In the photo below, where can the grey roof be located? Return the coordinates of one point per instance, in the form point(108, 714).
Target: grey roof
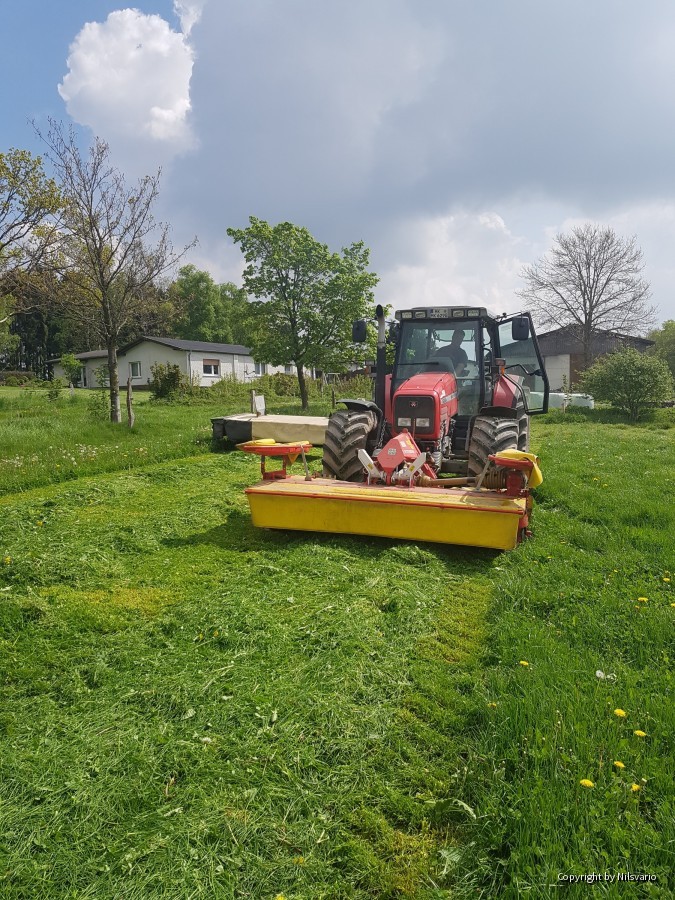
point(176, 344)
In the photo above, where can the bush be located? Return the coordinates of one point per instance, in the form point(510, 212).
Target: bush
point(12, 381)
point(630, 381)
point(55, 388)
point(168, 381)
point(15, 377)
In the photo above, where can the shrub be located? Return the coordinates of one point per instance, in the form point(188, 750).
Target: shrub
point(630, 381)
point(98, 405)
point(72, 367)
point(12, 381)
point(167, 381)
point(55, 388)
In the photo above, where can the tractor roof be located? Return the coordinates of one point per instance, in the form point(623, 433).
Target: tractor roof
point(450, 313)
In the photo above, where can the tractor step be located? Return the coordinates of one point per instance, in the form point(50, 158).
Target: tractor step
point(448, 516)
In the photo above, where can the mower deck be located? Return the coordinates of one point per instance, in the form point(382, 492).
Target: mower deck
point(449, 516)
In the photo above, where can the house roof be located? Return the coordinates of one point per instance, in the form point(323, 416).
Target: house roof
point(572, 331)
point(88, 354)
point(176, 344)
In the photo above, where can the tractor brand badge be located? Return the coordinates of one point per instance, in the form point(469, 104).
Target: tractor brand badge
point(391, 451)
point(413, 404)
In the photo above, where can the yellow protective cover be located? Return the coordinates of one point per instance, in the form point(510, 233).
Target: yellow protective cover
point(536, 477)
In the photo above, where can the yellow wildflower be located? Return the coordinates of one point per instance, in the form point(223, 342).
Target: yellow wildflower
point(40, 522)
point(618, 764)
point(492, 705)
point(621, 713)
point(639, 733)
point(523, 662)
point(666, 579)
point(643, 599)
point(280, 897)
point(586, 782)
point(635, 788)
point(7, 560)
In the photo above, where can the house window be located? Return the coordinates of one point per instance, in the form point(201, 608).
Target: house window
point(288, 370)
point(260, 368)
point(211, 366)
point(135, 369)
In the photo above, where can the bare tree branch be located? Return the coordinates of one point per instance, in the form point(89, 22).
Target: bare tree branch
point(111, 248)
point(591, 279)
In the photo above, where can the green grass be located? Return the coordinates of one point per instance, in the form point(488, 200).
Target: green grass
point(193, 707)
point(45, 442)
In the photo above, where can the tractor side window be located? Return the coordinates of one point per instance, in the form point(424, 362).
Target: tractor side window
point(521, 359)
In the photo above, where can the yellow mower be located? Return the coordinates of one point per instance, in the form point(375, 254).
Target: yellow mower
point(441, 454)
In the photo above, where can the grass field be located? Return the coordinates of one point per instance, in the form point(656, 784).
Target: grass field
point(194, 708)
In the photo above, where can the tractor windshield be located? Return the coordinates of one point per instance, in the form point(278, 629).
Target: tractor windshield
point(437, 347)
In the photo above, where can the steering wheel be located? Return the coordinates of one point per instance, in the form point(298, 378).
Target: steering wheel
point(437, 364)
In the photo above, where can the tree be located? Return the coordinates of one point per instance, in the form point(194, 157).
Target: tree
point(591, 280)
point(664, 343)
point(306, 296)
point(27, 200)
point(207, 311)
point(629, 380)
point(110, 244)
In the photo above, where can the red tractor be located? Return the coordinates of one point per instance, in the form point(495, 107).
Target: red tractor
point(463, 385)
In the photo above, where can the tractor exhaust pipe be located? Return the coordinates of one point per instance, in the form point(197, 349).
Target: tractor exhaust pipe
point(381, 359)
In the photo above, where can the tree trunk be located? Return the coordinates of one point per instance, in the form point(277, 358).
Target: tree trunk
point(114, 379)
point(303, 386)
point(130, 403)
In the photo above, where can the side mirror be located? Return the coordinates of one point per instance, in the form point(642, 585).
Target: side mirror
point(520, 328)
point(394, 331)
point(359, 331)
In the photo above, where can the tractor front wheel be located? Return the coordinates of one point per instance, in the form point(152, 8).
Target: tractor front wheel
point(491, 435)
point(347, 432)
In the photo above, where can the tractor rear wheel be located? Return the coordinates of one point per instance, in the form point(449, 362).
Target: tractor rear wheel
point(523, 429)
point(491, 435)
point(347, 432)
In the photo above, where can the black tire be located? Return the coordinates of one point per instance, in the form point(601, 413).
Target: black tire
point(523, 429)
point(490, 435)
point(347, 432)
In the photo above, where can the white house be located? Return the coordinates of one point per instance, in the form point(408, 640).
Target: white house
point(202, 361)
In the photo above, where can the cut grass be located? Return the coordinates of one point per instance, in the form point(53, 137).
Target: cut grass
point(197, 708)
point(192, 707)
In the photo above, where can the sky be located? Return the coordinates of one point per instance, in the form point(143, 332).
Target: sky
point(456, 138)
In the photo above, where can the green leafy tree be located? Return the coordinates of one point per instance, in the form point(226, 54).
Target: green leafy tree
point(28, 200)
point(629, 380)
point(72, 367)
point(664, 343)
point(306, 296)
point(206, 311)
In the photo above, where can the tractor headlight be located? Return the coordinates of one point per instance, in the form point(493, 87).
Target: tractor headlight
point(404, 423)
point(422, 423)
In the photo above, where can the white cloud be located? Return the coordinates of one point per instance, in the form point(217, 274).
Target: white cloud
point(459, 259)
point(129, 81)
point(189, 12)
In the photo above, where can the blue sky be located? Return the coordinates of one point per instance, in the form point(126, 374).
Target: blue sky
point(456, 139)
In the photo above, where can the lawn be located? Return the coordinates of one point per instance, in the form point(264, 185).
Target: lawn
point(191, 707)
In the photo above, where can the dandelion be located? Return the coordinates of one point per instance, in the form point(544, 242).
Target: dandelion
point(586, 782)
point(618, 764)
point(492, 705)
point(667, 580)
point(280, 897)
point(639, 733)
point(621, 713)
point(523, 662)
point(40, 523)
point(299, 860)
point(643, 599)
point(635, 788)
point(7, 560)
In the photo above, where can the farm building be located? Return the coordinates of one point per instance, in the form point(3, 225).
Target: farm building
point(563, 351)
point(203, 362)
